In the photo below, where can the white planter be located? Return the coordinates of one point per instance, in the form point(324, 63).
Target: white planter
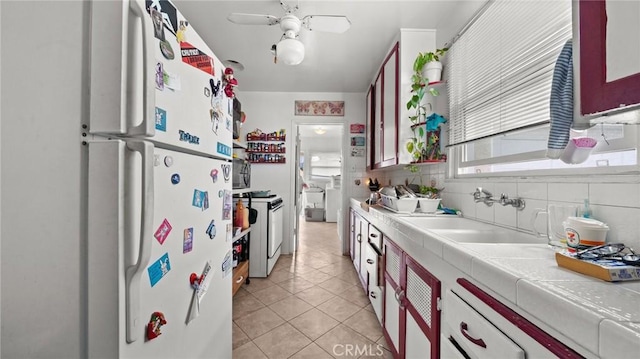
point(433, 71)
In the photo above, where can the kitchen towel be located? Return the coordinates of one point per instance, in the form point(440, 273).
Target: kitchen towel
point(561, 102)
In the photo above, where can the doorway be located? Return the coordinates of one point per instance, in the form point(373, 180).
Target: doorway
point(318, 169)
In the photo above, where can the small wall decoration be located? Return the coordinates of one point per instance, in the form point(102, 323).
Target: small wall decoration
point(319, 108)
point(357, 141)
point(356, 128)
point(357, 151)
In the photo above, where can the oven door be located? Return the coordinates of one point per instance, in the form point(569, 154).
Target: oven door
point(275, 228)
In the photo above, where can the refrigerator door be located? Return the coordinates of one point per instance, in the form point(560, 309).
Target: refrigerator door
point(146, 83)
point(155, 217)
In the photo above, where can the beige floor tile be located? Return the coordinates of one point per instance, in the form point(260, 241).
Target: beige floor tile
point(312, 351)
point(244, 305)
point(378, 353)
point(278, 276)
point(271, 295)
point(313, 323)
point(338, 308)
point(248, 351)
point(316, 263)
point(295, 285)
point(356, 295)
point(370, 308)
point(349, 277)
point(365, 323)
point(259, 322)
point(315, 277)
point(333, 269)
point(290, 307)
point(343, 342)
point(335, 285)
point(239, 337)
point(282, 342)
point(315, 295)
point(383, 341)
point(258, 284)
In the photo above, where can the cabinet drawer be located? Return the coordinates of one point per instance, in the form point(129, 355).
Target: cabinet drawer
point(475, 334)
point(375, 236)
point(240, 274)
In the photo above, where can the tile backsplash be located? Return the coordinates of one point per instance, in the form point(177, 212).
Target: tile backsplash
point(614, 199)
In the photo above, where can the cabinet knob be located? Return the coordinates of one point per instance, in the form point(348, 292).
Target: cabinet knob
point(240, 279)
point(373, 295)
point(373, 235)
point(370, 261)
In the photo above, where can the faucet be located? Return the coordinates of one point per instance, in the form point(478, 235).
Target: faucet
point(484, 196)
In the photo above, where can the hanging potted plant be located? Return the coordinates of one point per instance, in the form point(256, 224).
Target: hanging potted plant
point(429, 65)
point(418, 146)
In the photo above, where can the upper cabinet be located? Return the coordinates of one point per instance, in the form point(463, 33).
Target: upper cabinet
point(389, 126)
point(609, 52)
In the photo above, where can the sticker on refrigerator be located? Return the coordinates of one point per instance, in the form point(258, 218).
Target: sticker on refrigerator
point(214, 175)
point(187, 137)
point(223, 150)
point(196, 58)
point(163, 231)
point(229, 232)
point(226, 264)
point(161, 119)
point(187, 244)
point(227, 203)
point(215, 121)
point(172, 81)
point(159, 269)
point(200, 199)
point(182, 29)
point(207, 92)
point(159, 76)
point(158, 25)
point(168, 12)
point(211, 230)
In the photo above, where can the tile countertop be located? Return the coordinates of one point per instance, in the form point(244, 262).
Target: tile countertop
point(602, 317)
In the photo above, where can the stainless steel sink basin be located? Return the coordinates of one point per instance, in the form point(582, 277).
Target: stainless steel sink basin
point(487, 236)
point(465, 230)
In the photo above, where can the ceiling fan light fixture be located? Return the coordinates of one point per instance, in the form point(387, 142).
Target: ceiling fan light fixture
point(290, 51)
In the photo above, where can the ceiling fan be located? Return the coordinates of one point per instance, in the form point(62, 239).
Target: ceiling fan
point(290, 50)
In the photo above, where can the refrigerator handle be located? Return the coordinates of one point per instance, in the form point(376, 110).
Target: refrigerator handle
point(135, 271)
point(147, 126)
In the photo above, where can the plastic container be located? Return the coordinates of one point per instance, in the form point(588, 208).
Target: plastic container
point(585, 232)
point(314, 214)
point(401, 205)
point(428, 205)
point(578, 150)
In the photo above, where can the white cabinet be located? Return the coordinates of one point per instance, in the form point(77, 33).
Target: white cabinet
point(389, 126)
point(359, 235)
point(412, 306)
point(483, 327)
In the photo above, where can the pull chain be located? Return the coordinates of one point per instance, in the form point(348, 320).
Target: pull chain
point(602, 133)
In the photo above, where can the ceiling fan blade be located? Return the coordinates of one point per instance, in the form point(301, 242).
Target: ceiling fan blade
point(252, 19)
point(327, 23)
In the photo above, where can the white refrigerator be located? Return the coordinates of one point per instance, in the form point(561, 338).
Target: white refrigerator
point(146, 240)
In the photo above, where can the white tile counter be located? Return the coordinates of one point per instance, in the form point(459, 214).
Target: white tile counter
point(603, 318)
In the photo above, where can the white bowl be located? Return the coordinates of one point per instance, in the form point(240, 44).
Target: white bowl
point(428, 205)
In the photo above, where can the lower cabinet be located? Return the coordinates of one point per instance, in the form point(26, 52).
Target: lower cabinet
point(358, 237)
point(411, 319)
point(477, 325)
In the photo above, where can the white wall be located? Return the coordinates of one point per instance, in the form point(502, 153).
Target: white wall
point(272, 111)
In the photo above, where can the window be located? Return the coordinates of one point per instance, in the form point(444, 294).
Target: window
point(499, 78)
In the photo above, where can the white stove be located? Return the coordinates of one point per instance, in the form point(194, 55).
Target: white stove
point(266, 235)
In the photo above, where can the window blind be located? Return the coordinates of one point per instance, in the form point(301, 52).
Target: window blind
point(499, 71)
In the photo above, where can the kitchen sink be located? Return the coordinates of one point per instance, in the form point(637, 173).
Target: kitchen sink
point(442, 222)
point(465, 230)
point(487, 236)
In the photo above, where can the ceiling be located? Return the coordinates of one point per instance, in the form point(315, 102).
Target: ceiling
point(333, 62)
point(308, 131)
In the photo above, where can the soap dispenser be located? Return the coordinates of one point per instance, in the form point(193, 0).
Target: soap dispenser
point(586, 210)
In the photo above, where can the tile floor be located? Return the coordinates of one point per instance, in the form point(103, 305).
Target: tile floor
point(312, 305)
